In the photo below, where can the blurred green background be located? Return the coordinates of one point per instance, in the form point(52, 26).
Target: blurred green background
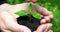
point(51, 5)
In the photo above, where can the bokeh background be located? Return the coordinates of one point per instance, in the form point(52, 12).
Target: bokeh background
point(51, 5)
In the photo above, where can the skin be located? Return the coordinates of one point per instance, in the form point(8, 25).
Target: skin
point(8, 17)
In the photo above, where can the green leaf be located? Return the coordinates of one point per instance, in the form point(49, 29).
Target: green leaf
point(30, 7)
point(21, 13)
point(36, 15)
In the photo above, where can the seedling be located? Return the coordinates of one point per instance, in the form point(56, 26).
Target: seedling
point(24, 13)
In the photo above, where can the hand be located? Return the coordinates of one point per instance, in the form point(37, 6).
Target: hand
point(44, 28)
point(7, 18)
point(8, 24)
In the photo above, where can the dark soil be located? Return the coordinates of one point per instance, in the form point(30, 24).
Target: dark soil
point(33, 24)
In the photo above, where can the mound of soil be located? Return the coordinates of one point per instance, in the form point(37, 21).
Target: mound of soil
point(25, 20)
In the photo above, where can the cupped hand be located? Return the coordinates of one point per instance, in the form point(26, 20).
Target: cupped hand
point(8, 18)
point(8, 24)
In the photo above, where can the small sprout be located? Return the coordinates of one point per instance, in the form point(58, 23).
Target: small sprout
point(24, 13)
point(30, 7)
point(21, 13)
point(36, 15)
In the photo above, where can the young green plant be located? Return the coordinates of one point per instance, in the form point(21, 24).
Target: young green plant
point(30, 14)
point(34, 14)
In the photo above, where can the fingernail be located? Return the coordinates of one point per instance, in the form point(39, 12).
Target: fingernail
point(35, 31)
point(49, 24)
point(25, 30)
point(51, 31)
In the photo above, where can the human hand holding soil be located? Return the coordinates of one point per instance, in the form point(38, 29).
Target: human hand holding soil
point(9, 23)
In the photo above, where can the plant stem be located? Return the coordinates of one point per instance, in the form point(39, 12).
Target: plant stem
point(30, 17)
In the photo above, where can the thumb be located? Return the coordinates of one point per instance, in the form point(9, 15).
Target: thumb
point(11, 23)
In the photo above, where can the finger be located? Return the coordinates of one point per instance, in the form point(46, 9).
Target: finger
point(34, 31)
point(47, 27)
point(42, 27)
point(43, 21)
point(41, 10)
point(51, 16)
point(34, 1)
point(3, 30)
point(47, 19)
point(50, 31)
point(11, 24)
point(45, 12)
